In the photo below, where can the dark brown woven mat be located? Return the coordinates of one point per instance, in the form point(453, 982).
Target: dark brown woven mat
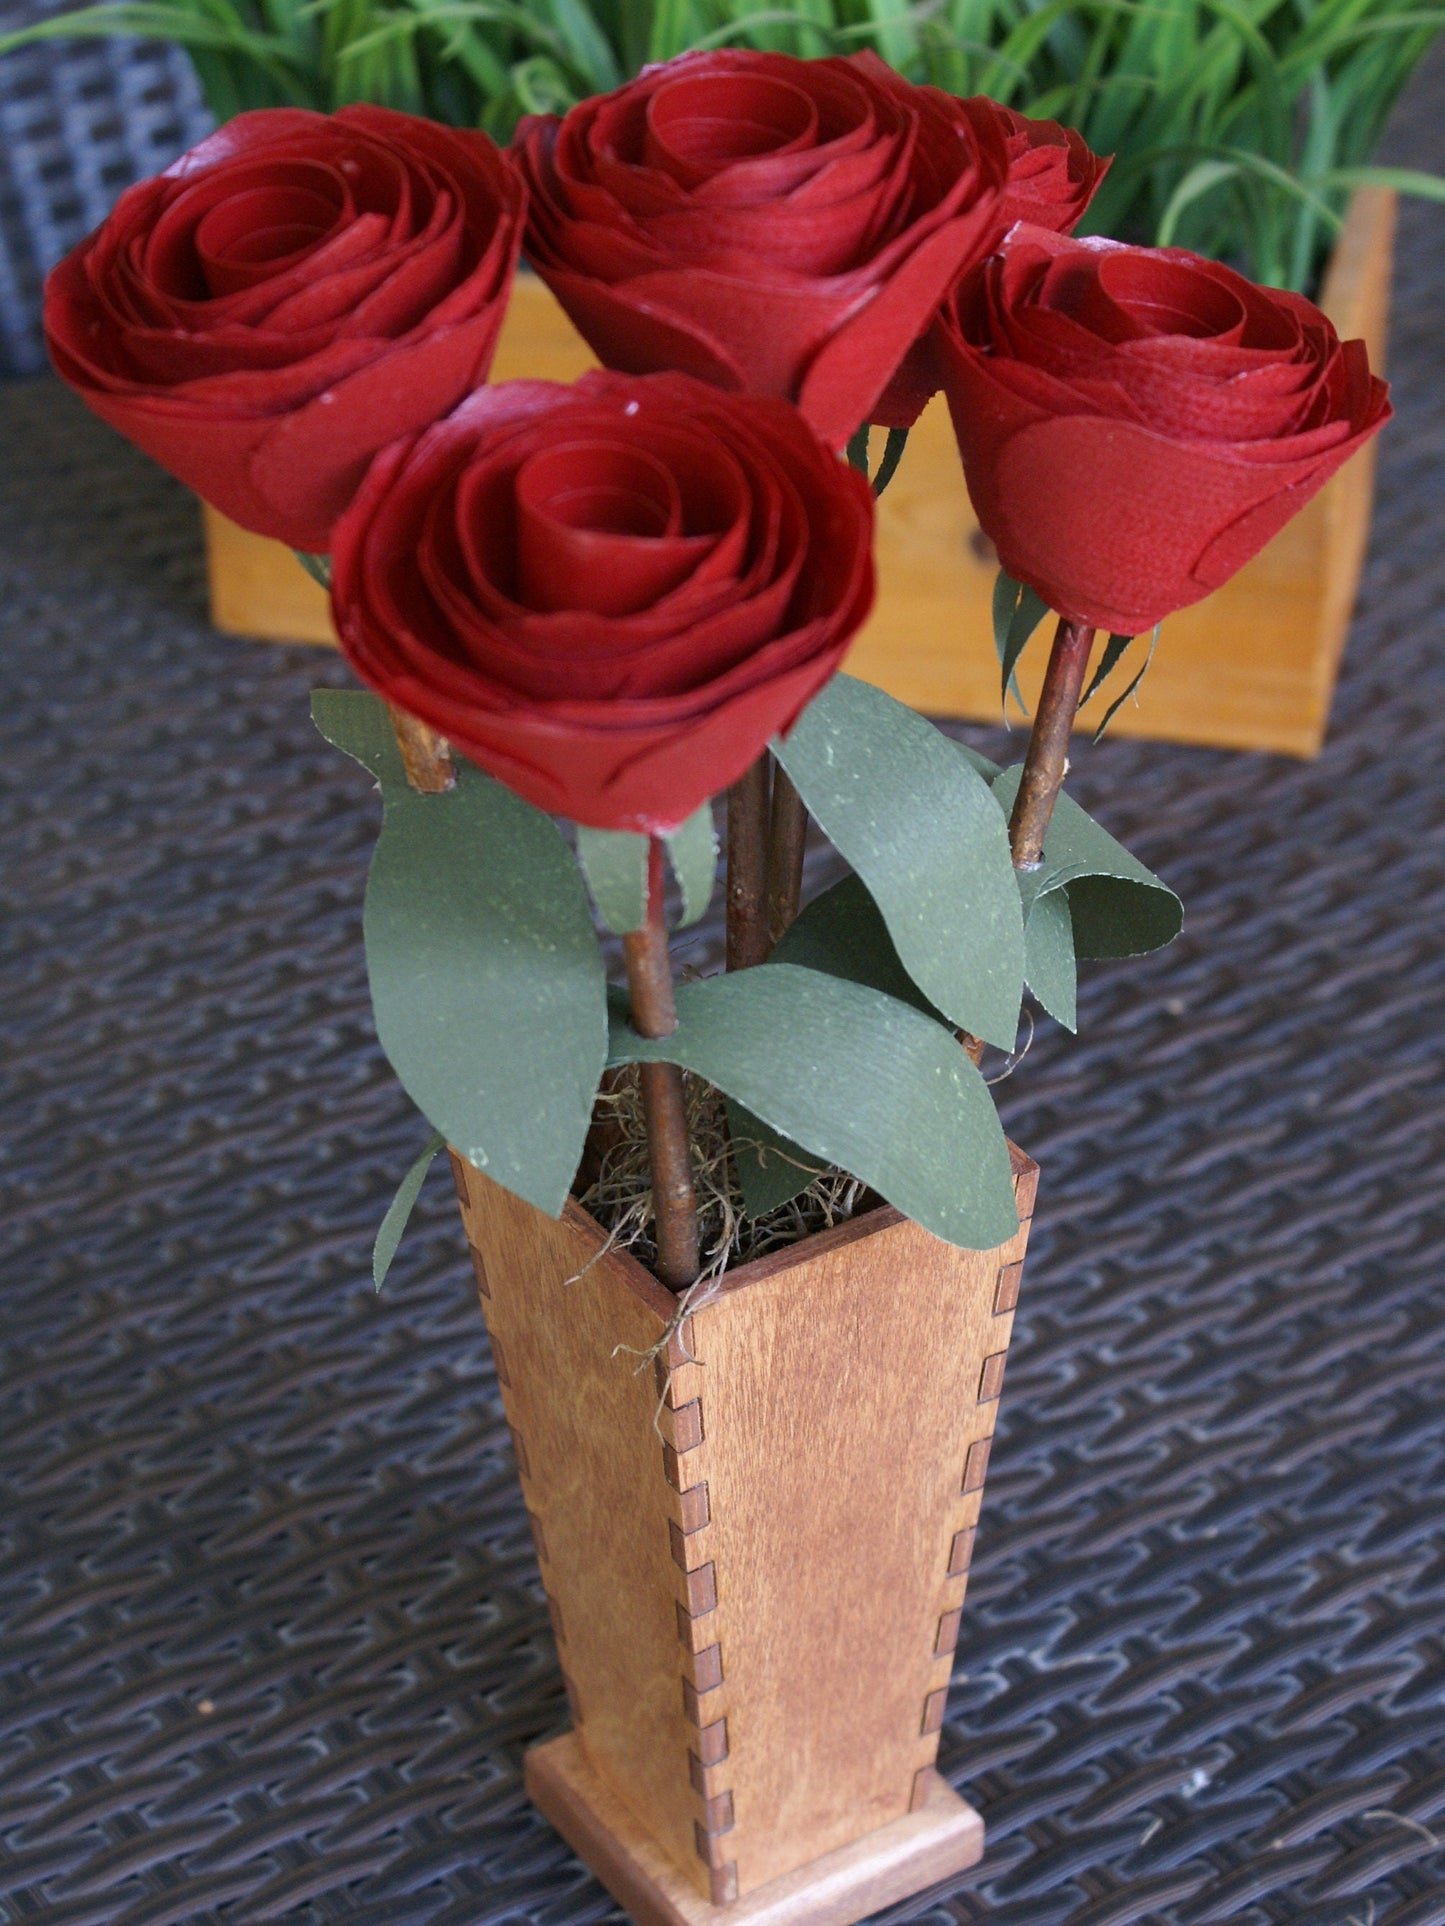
point(271, 1634)
point(79, 121)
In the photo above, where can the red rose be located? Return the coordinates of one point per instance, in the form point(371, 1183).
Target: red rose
point(772, 225)
point(611, 596)
point(1053, 174)
point(1052, 177)
point(287, 298)
point(1136, 423)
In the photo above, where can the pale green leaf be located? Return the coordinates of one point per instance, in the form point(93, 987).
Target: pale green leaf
point(1117, 906)
point(486, 978)
point(771, 1170)
point(393, 1225)
point(692, 851)
point(1049, 957)
point(1017, 612)
point(1114, 650)
point(892, 454)
point(900, 805)
point(858, 1079)
point(614, 861)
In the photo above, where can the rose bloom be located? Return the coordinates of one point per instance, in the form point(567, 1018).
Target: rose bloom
point(610, 596)
point(1053, 173)
point(772, 225)
point(1136, 423)
point(287, 298)
point(1052, 177)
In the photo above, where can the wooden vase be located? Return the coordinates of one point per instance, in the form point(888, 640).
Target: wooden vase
point(1253, 666)
point(755, 1543)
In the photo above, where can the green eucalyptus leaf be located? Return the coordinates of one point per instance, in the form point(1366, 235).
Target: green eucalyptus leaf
point(357, 722)
point(614, 861)
point(988, 770)
point(772, 1171)
point(842, 933)
point(692, 851)
point(1017, 612)
point(858, 1079)
point(1114, 649)
point(1117, 704)
point(1049, 965)
point(892, 454)
point(393, 1225)
point(1118, 907)
point(918, 825)
point(486, 978)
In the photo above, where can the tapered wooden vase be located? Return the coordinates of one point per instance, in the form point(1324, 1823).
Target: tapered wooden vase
point(755, 1547)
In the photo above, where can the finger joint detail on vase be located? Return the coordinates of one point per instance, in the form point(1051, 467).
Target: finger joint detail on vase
point(681, 1422)
point(678, 1589)
point(958, 1552)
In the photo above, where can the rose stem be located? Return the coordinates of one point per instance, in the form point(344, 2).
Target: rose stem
point(654, 1014)
point(787, 837)
point(747, 885)
point(424, 754)
point(1047, 761)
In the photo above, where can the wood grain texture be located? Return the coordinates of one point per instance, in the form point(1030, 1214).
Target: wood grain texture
point(591, 1466)
point(939, 1837)
point(754, 1547)
point(1251, 667)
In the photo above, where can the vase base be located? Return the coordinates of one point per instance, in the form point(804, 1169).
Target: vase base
point(942, 1837)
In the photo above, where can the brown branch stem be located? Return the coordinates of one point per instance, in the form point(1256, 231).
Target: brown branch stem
point(654, 1014)
point(425, 755)
point(787, 836)
point(747, 883)
point(1047, 761)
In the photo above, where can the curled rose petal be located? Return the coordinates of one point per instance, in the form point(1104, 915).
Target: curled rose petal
point(772, 225)
point(1136, 423)
point(1052, 172)
point(286, 299)
point(610, 596)
point(1052, 177)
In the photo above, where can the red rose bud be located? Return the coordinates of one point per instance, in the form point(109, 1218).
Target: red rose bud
point(1053, 174)
point(287, 298)
point(1052, 177)
point(1136, 423)
point(771, 225)
point(610, 596)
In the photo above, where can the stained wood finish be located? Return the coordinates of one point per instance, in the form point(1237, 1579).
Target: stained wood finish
point(591, 1467)
point(756, 1550)
point(941, 1837)
point(1252, 667)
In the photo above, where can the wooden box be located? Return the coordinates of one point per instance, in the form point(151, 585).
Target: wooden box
point(755, 1546)
point(1252, 667)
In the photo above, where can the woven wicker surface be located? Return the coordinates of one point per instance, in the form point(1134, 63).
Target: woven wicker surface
point(79, 120)
point(271, 1634)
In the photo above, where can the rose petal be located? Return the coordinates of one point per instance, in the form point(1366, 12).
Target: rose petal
point(619, 711)
point(290, 295)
